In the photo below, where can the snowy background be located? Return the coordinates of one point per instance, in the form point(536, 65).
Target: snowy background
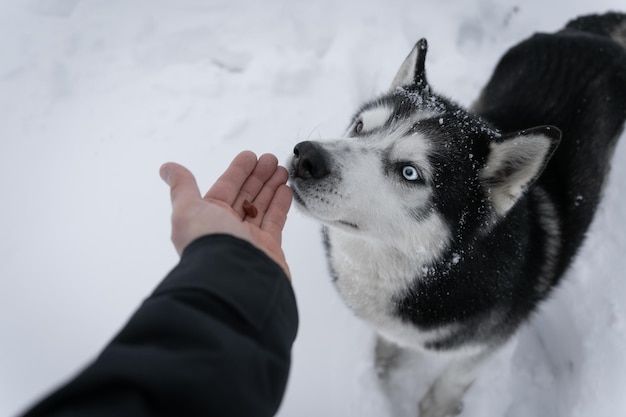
point(95, 95)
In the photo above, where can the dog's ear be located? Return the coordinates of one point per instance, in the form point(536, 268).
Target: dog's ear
point(515, 161)
point(412, 70)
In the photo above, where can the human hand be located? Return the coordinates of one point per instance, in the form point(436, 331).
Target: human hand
point(261, 182)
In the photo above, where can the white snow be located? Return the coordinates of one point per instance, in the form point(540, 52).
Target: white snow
point(95, 95)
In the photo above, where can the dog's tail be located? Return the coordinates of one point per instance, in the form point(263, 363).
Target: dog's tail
point(610, 24)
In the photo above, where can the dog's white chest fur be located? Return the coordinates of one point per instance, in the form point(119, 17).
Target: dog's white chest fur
point(369, 277)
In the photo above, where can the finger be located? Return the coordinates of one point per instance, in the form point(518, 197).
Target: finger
point(183, 186)
point(276, 215)
point(266, 195)
point(263, 171)
point(229, 184)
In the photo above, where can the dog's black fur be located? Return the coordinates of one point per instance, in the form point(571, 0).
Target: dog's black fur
point(581, 72)
point(574, 80)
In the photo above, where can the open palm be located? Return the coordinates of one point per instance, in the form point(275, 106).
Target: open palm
point(262, 182)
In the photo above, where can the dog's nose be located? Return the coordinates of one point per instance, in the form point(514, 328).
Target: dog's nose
point(310, 161)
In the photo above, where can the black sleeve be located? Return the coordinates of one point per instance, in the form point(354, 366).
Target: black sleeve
point(214, 339)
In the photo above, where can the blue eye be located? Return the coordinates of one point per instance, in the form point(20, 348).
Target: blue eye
point(410, 173)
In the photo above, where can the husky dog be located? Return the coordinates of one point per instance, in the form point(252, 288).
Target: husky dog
point(445, 228)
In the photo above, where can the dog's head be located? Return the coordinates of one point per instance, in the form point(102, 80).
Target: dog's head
point(415, 169)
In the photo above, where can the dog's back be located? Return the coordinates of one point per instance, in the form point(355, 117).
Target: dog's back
point(587, 102)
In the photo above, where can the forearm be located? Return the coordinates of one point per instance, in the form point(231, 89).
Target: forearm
point(213, 339)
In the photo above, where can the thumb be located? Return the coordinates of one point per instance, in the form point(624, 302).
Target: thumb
point(183, 186)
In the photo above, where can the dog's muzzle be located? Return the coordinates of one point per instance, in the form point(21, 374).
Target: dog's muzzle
point(310, 161)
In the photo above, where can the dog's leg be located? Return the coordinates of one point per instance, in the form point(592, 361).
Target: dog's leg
point(392, 363)
point(386, 356)
point(445, 396)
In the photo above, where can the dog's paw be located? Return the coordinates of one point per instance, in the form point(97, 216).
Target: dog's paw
point(432, 406)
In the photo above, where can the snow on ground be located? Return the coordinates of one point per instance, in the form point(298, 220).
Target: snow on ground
point(95, 95)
